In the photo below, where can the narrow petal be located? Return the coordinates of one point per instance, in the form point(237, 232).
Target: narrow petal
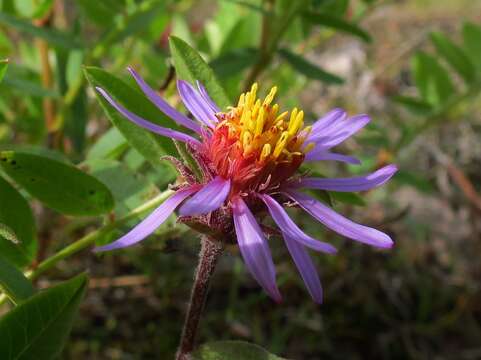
point(306, 267)
point(345, 130)
point(203, 92)
point(328, 120)
point(208, 199)
point(339, 223)
point(318, 155)
point(196, 104)
point(290, 229)
point(357, 183)
point(163, 105)
point(150, 223)
point(177, 135)
point(254, 248)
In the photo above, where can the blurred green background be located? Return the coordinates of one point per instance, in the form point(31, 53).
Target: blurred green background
point(391, 59)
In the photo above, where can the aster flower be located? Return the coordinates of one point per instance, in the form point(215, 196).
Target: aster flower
point(249, 156)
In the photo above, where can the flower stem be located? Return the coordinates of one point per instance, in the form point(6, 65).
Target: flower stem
point(209, 255)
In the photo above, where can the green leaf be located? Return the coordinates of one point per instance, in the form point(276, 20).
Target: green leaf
point(42, 9)
point(454, 55)
point(3, 68)
point(110, 145)
point(13, 283)
point(308, 69)
point(348, 198)
point(98, 12)
point(190, 66)
point(337, 23)
point(150, 145)
point(139, 20)
point(415, 105)
point(129, 193)
point(39, 327)
point(233, 350)
point(472, 43)
point(17, 239)
point(26, 82)
point(432, 80)
point(233, 62)
point(54, 37)
point(249, 5)
point(420, 183)
point(58, 185)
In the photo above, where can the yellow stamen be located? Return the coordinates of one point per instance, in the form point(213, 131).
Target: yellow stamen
point(260, 122)
point(281, 143)
point(266, 151)
point(246, 139)
point(270, 97)
point(241, 100)
point(296, 123)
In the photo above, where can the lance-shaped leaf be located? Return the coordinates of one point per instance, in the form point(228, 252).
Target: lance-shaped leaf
point(308, 69)
point(17, 227)
point(13, 283)
point(234, 61)
point(39, 327)
point(54, 37)
point(190, 66)
point(3, 68)
point(233, 350)
point(337, 23)
point(432, 79)
point(454, 55)
point(58, 185)
point(150, 145)
point(472, 43)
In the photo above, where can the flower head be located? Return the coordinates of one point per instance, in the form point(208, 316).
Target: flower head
point(249, 156)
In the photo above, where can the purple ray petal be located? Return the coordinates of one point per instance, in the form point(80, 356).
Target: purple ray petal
point(203, 92)
point(339, 223)
point(208, 199)
point(196, 104)
point(318, 155)
point(254, 248)
point(163, 105)
point(177, 135)
point(343, 131)
point(328, 120)
point(151, 222)
point(357, 183)
point(290, 229)
point(306, 267)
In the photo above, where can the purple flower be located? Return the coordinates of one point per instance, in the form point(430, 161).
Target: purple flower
point(249, 156)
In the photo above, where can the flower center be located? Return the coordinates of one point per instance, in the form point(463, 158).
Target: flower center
point(255, 146)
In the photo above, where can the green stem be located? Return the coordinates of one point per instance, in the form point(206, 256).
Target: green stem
point(90, 238)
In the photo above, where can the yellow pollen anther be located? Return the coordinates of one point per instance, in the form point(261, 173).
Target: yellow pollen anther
point(281, 143)
point(281, 117)
point(296, 123)
point(260, 122)
point(252, 95)
point(246, 140)
point(241, 100)
point(266, 151)
point(270, 97)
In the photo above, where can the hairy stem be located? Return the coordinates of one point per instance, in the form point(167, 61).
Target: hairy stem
point(208, 257)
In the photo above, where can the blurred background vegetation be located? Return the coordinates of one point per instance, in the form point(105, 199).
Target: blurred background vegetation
point(413, 65)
